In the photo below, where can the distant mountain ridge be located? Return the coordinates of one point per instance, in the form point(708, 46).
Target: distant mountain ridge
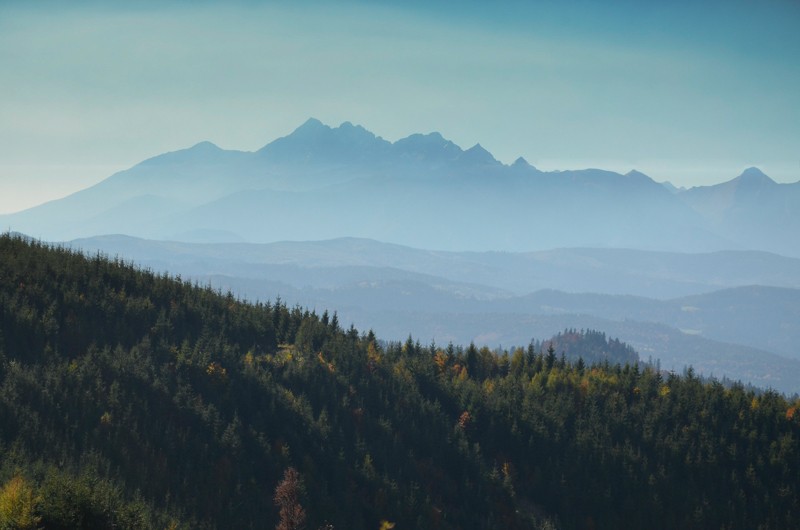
point(322, 182)
point(742, 207)
point(730, 313)
point(659, 275)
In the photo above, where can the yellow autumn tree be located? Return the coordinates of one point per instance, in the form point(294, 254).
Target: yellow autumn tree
point(18, 505)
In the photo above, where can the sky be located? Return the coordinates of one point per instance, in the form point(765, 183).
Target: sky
point(690, 92)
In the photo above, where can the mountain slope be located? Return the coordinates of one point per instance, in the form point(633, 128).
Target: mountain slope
point(196, 407)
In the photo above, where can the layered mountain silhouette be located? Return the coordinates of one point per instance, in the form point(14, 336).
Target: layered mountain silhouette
point(732, 314)
point(321, 182)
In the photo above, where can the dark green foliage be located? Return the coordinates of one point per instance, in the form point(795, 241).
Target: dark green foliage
point(591, 346)
point(133, 399)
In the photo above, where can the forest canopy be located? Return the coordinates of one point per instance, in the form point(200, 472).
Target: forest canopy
point(135, 399)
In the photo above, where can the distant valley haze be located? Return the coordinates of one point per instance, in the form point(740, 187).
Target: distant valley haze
point(730, 314)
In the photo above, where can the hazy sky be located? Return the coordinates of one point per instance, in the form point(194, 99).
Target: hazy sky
point(692, 92)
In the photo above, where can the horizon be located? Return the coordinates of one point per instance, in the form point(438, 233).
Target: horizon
point(688, 94)
point(547, 167)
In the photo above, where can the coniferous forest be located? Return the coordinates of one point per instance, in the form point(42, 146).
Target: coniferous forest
point(132, 399)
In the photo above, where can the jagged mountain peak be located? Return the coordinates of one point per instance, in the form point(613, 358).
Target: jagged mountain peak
point(311, 125)
point(522, 165)
point(635, 174)
point(313, 128)
point(429, 146)
point(351, 131)
point(432, 138)
point(753, 175)
point(314, 139)
point(672, 188)
point(205, 146)
point(477, 154)
point(198, 153)
point(348, 126)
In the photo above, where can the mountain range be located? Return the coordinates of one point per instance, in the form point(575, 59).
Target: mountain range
point(423, 191)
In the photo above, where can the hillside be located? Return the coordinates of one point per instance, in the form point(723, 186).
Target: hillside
point(136, 399)
point(740, 321)
point(422, 191)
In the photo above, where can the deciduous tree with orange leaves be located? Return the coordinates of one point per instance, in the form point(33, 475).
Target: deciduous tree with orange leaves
point(287, 499)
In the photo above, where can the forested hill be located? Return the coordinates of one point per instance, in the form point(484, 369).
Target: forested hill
point(134, 399)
